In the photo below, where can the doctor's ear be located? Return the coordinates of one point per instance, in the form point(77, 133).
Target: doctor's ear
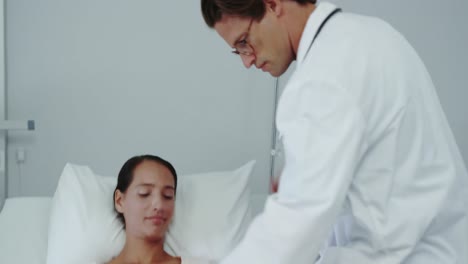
point(275, 6)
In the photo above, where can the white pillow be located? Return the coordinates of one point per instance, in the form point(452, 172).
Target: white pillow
point(23, 230)
point(212, 213)
point(83, 226)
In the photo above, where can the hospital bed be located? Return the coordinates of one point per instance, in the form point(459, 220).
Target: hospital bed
point(78, 225)
point(23, 230)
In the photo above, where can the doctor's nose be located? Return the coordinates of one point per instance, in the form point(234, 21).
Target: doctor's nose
point(248, 60)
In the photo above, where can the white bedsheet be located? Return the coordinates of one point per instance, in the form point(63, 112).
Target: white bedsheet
point(23, 230)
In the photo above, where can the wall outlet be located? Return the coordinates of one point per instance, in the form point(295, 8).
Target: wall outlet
point(20, 155)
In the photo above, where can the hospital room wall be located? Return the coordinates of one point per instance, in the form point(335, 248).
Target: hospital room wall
point(437, 30)
point(2, 106)
point(105, 80)
point(109, 79)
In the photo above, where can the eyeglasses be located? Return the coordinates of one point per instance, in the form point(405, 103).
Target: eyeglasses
point(242, 46)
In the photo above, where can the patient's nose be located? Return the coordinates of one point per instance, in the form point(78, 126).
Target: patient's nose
point(156, 203)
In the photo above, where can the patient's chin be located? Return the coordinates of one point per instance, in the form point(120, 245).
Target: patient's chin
point(156, 233)
point(155, 238)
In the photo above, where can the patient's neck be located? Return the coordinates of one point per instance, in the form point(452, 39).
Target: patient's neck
point(137, 250)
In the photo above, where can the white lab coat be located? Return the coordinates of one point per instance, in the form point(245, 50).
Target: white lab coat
point(371, 167)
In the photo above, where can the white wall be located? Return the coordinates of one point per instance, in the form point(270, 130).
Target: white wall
point(3, 179)
point(105, 80)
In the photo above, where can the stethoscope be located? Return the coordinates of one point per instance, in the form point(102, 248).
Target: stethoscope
point(274, 151)
point(336, 11)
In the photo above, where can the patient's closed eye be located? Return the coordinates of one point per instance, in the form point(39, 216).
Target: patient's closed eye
point(168, 194)
point(143, 194)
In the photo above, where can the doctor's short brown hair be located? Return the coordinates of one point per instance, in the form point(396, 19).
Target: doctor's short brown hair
point(213, 10)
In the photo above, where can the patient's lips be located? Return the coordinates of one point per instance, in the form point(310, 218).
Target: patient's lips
point(156, 219)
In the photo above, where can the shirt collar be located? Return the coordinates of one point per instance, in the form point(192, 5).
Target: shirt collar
point(317, 17)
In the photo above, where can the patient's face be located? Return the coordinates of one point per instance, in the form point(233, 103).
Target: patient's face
point(148, 203)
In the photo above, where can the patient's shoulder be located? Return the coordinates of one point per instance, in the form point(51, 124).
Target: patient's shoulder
point(188, 260)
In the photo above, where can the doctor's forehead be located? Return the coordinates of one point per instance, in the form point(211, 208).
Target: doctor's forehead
point(231, 28)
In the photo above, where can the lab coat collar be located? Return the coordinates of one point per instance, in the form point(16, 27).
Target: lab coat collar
point(317, 17)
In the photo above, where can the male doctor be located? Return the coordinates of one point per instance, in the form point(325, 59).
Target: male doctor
point(372, 172)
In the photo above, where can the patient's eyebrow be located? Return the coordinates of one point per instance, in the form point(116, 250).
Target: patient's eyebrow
point(152, 185)
point(145, 184)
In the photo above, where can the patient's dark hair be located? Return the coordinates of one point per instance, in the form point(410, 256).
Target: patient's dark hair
point(213, 10)
point(125, 177)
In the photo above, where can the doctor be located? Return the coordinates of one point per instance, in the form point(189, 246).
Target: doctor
point(372, 171)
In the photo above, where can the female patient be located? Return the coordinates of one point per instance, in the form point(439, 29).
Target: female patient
point(144, 200)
